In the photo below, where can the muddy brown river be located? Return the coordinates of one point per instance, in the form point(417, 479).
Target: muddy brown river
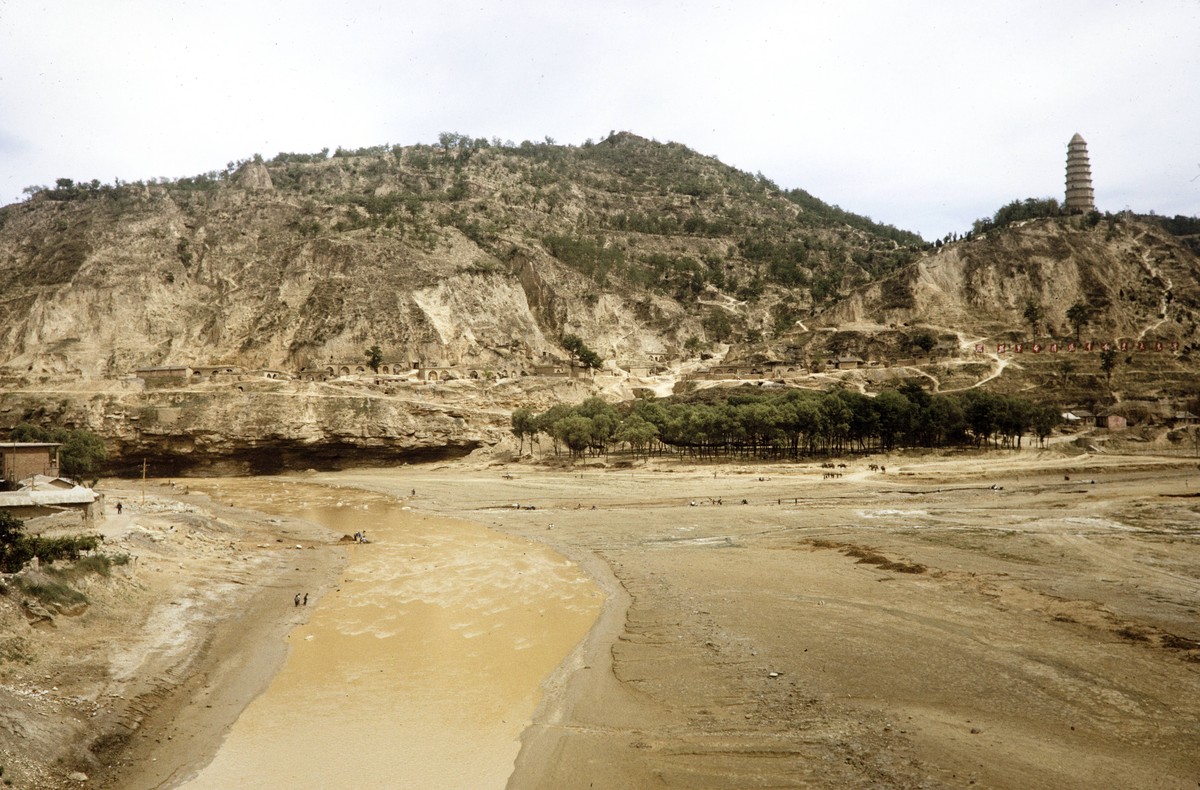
point(421, 668)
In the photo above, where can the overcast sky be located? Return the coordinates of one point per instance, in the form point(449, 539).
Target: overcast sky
point(925, 115)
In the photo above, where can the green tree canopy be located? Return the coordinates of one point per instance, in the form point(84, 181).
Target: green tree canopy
point(374, 356)
point(758, 423)
point(578, 349)
point(1079, 314)
point(1108, 362)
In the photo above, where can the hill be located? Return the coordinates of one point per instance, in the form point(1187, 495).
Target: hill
point(489, 275)
point(466, 253)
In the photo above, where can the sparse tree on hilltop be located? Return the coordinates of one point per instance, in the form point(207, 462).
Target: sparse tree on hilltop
point(924, 341)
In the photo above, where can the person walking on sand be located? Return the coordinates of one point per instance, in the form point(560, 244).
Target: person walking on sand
point(119, 507)
point(296, 600)
point(306, 599)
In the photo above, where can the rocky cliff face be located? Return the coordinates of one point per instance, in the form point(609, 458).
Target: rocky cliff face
point(257, 426)
point(214, 282)
point(1138, 281)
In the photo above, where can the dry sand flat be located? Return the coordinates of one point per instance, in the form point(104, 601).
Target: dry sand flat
point(918, 628)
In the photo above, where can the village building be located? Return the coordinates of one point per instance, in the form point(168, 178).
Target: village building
point(744, 370)
point(1184, 418)
point(1081, 417)
point(19, 460)
point(166, 374)
point(44, 495)
point(214, 371)
point(563, 370)
point(650, 366)
point(274, 375)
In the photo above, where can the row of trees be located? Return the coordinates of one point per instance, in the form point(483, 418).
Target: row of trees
point(772, 424)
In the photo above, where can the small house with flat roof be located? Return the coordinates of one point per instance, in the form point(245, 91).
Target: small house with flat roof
point(44, 495)
point(19, 460)
point(1183, 418)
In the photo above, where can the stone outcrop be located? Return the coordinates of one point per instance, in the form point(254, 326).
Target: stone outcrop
point(255, 177)
point(267, 428)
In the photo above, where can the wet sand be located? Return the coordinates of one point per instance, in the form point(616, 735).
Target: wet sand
point(421, 668)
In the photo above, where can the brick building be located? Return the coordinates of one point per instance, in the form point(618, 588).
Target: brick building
point(19, 460)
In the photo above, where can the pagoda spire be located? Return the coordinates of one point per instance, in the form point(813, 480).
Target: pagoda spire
point(1080, 197)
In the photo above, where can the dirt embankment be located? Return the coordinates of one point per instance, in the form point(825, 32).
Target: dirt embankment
point(169, 648)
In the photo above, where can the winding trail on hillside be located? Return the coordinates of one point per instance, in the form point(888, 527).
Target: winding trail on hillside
point(967, 344)
point(1164, 299)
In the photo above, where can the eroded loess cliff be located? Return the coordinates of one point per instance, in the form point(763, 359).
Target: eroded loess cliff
point(1137, 280)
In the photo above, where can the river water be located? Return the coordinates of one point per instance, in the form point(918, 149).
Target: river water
point(424, 665)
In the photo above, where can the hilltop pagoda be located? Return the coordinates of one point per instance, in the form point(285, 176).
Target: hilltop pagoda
point(1080, 197)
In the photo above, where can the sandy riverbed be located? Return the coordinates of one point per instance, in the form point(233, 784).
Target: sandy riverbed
point(955, 620)
point(914, 628)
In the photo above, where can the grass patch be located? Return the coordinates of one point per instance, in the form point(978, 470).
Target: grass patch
point(52, 592)
point(54, 585)
point(15, 649)
point(904, 567)
point(99, 564)
point(871, 557)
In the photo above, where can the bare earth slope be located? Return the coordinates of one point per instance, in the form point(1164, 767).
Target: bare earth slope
point(473, 254)
point(1140, 281)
